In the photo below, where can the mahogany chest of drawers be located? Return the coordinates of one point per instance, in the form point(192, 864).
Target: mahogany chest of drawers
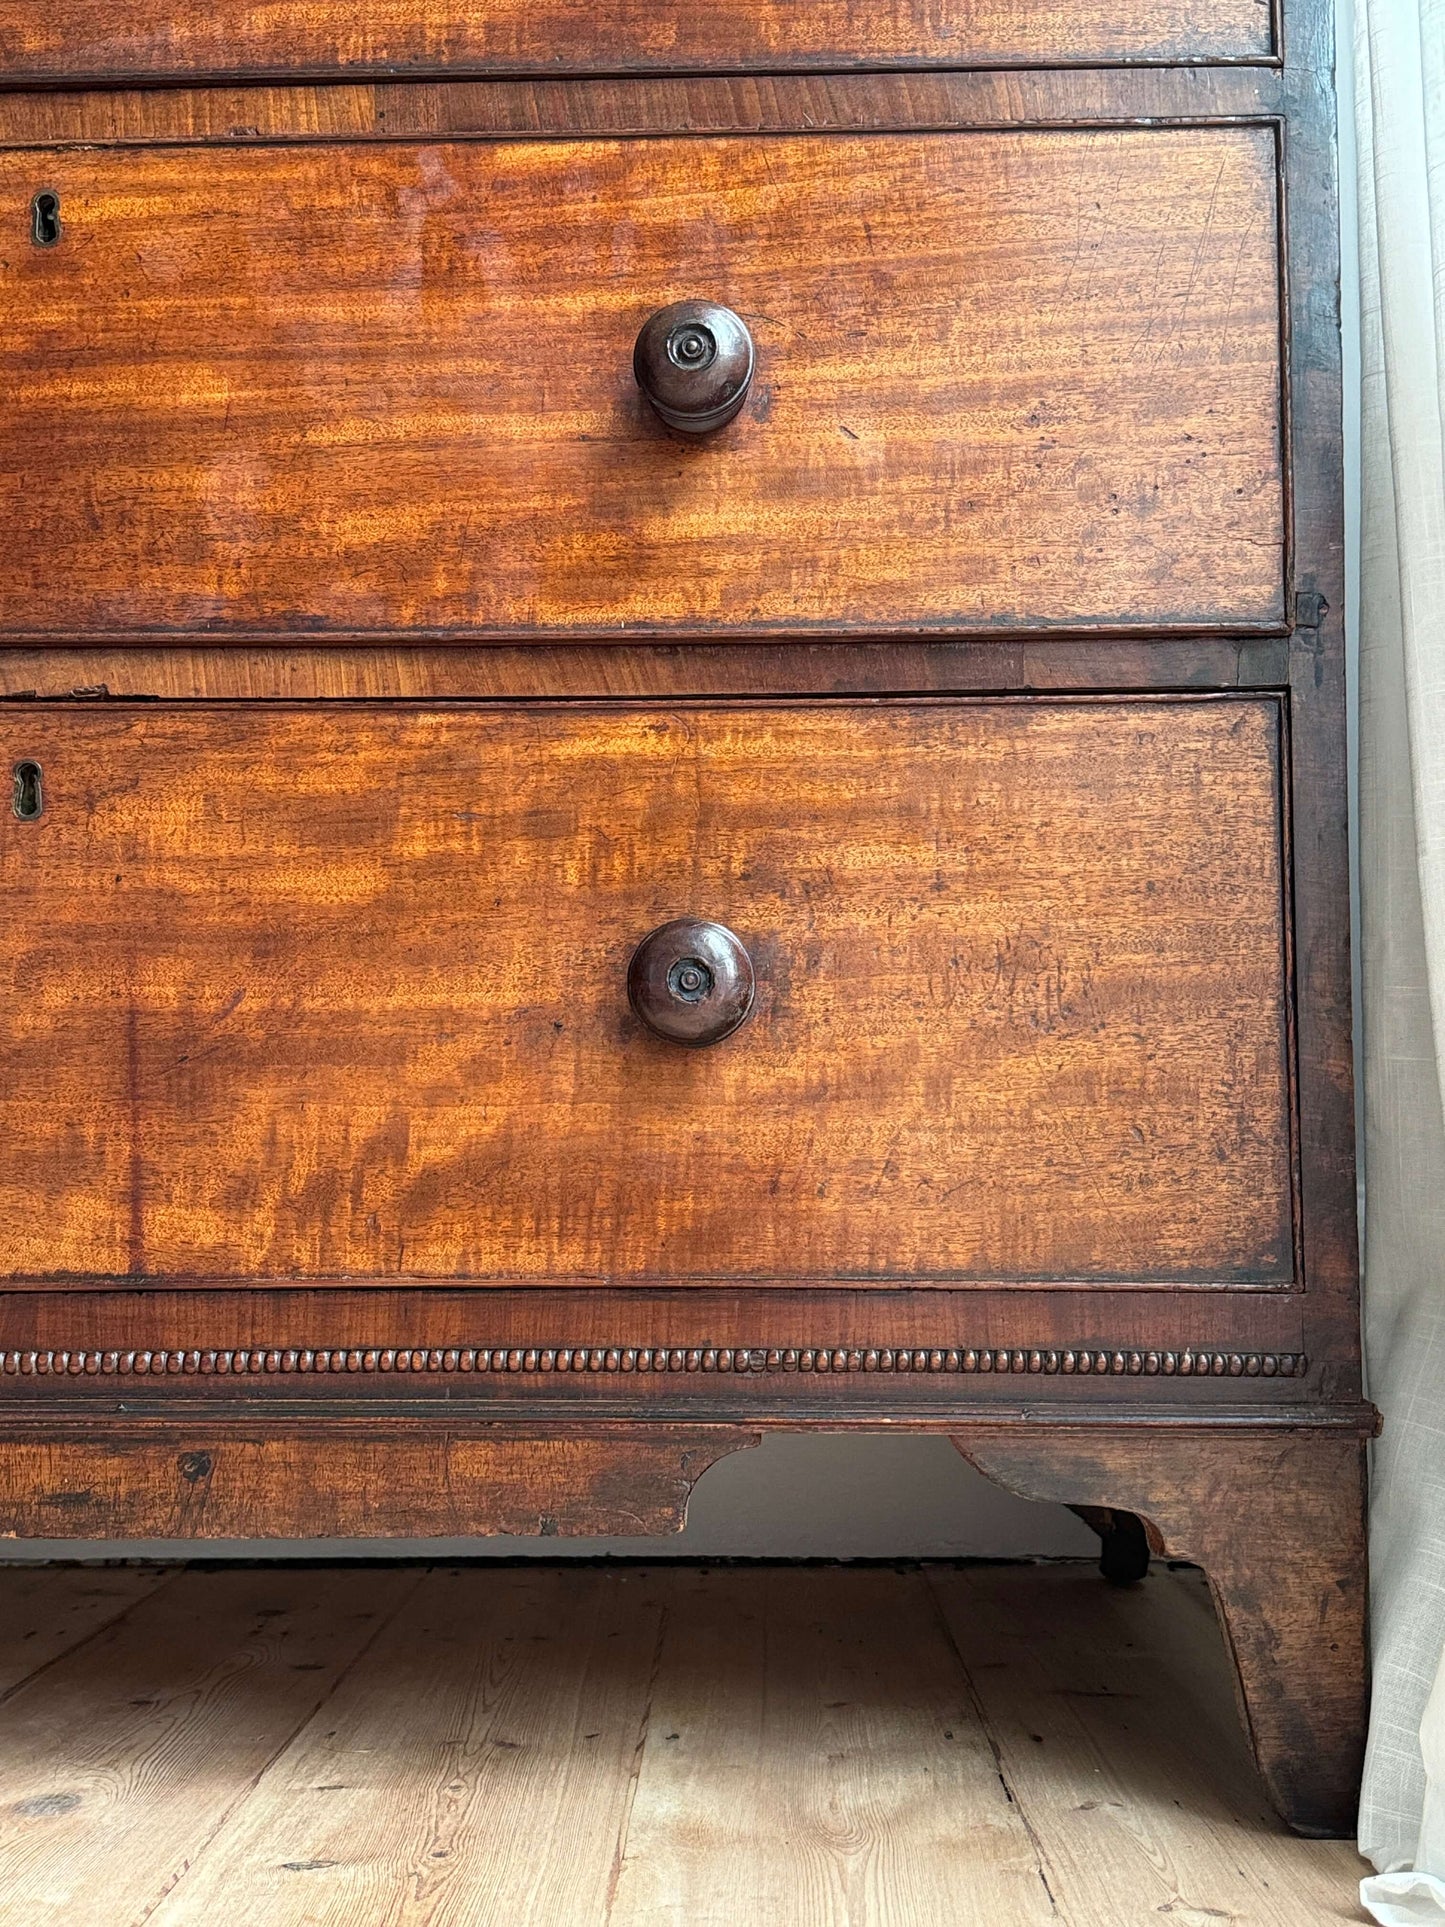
point(674, 688)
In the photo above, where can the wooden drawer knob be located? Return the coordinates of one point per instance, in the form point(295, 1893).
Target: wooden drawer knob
point(694, 363)
point(691, 981)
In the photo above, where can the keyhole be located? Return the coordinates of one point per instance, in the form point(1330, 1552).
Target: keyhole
point(29, 799)
point(45, 219)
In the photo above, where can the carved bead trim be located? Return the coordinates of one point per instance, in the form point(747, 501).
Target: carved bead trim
point(265, 1363)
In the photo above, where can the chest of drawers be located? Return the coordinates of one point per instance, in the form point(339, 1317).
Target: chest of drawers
point(674, 690)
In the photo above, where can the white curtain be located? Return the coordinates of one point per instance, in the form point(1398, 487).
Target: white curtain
point(1400, 73)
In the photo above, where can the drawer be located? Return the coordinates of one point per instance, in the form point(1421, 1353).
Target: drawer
point(340, 991)
point(147, 39)
point(1003, 381)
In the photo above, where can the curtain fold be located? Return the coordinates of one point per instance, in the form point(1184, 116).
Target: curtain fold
point(1400, 67)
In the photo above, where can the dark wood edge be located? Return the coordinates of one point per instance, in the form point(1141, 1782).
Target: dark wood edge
point(1319, 874)
point(727, 1287)
point(1286, 397)
point(126, 707)
point(1278, 1524)
point(188, 1326)
point(42, 79)
point(1158, 634)
point(563, 1363)
point(1014, 98)
point(610, 672)
point(138, 1422)
point(1290, 1039)
point(414, 1480)
point(881, 1404)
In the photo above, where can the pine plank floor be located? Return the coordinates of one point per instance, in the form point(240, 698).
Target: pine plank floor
point(632, 1746)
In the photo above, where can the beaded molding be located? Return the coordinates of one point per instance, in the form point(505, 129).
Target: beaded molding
point(267, 1363)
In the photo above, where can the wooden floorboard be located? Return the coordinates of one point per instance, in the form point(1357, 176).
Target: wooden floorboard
point(626, 1746)
point(47, 1610)
point(120, 1762)
point(837, 1776)
point(1113, 1717)
point(477, 1767)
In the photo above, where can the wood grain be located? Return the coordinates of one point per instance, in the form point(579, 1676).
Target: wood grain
point(1278, 1524)
point(110, 39)
point(907, 1351)
point(1320, 855)
point(49, 1610)
point(1111, 1714)
point(701, 103)
point(658, 1747)
point(318, 992)
point(278, 1481)
point(167, 1719)
point(386, 390)
point(504, 1706)
point(451, 671)
point(853, 1685)
point(264, 404)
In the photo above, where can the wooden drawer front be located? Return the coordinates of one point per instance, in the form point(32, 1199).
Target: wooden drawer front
point(115, 39)
point(339, 991)
point(1022, 380)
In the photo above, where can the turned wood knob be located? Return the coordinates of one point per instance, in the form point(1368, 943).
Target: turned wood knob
point(691, 981)
point(694, 363)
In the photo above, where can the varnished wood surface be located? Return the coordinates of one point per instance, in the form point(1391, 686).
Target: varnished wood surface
point(942, 1747)
point(108, 40)
point(769, 1354)
point(273, 1482)
point(516, 670)
point(703, 104)
point(1319, 737)
point(1277, 1521)
point(125, 1408)
point(326, 992)
point(383, 390)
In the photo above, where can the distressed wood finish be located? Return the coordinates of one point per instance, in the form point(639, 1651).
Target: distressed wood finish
point(1036, 280)
point(158, 39)
point(1277, 1523)
point(543, 1352)
point(270, 1481)
point(805, 1692)
point(307, 993)
point(385, 390)
point(1112, 1725)
point(543, 1682)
